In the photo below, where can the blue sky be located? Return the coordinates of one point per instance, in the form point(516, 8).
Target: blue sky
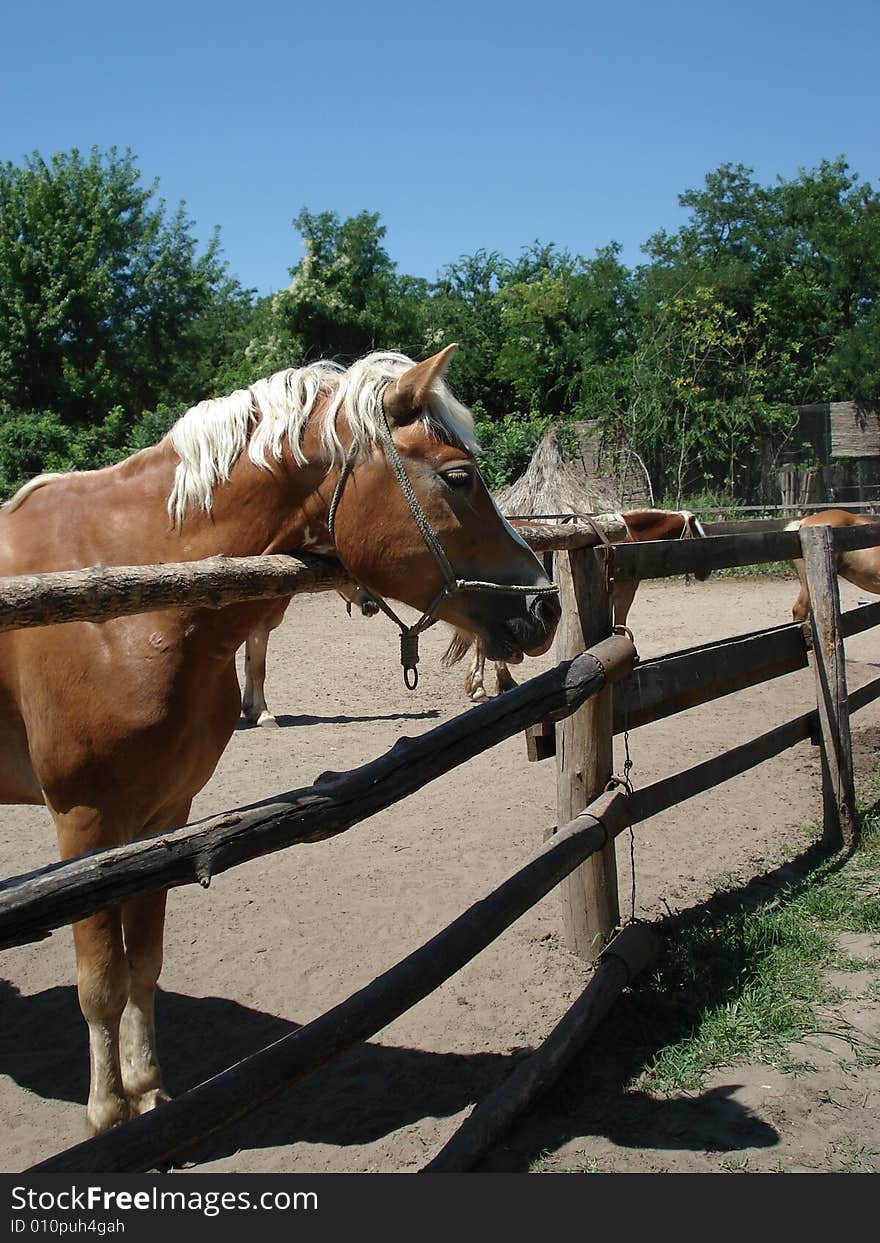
point(465, 124)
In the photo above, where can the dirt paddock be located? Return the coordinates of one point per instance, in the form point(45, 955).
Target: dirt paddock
point(276, 942)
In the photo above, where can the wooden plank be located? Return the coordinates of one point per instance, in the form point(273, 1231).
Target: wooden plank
point(663, 558)
point(97, 593)
point(854, 621)
point(627, 955)
point(840, 824)
point(567, 536)
point(163, 1133)
point(664, 685)
point(33, 904)
point(864, 695)
point(745, 526)
point(590, 908)
point(855, 429)
point(870, 506)
point(101, 592)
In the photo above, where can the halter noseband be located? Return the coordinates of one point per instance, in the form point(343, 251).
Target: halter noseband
point(409, 635)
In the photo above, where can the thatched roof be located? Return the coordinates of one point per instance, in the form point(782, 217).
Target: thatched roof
point(579, 482)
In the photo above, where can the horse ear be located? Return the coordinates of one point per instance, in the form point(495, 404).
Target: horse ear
point(406, 395)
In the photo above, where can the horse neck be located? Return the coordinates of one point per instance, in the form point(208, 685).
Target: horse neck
point(119, 515)
point(256, 510)
point(652, 524)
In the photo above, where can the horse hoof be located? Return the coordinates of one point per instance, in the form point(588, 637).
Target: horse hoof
point(478, 695)
point(148, 1100)
point(107, 1114)
point(266, 718)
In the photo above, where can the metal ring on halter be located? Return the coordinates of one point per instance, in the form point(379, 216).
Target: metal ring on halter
point(409, 637)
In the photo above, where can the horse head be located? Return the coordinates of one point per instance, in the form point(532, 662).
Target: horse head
point(692, 528)
point(414, 521)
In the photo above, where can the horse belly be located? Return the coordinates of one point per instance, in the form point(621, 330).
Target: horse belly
point(119, 723)
point(862, 567)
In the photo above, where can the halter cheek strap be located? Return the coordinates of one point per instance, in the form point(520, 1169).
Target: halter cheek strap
point(409, 635)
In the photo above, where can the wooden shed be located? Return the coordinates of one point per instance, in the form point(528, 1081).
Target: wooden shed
point(843, 440)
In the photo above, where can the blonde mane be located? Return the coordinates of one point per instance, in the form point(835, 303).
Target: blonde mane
point(211, 436)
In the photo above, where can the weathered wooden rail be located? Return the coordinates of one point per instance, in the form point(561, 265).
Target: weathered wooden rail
point(32, 905)
point(577, 696)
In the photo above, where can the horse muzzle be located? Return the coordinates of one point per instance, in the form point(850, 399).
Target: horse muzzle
point(529, 634)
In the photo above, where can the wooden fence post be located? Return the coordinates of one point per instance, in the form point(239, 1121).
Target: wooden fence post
point(584, 741)
point(838, 787)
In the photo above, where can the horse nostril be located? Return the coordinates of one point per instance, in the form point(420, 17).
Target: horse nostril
point(546, 610)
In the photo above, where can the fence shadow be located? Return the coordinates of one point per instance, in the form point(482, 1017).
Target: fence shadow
point(595, 1098)
point(285, 721)
point(375, 1089)
point(368, 1093)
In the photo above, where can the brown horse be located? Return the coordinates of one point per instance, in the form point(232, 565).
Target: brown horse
point(861, 567)
point(641, 524)
point(116, 726)
point(254, 709)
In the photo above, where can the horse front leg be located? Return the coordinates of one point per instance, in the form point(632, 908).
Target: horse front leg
point(504, 679)
point(473, 682)
point(253, 701)
point(143, 923)
point(102, 985)
point(800, 610)
point(622, 596)
point(101, 973)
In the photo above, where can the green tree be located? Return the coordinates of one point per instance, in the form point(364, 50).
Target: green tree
point(806, 249)
point(346, 297)
point(104, 300)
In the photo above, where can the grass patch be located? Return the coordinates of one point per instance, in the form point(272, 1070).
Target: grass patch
point(741, 984)
point(767, 569)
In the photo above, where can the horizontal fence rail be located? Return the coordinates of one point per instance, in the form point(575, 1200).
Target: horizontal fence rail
point(664, 685)
point(663, 558)
point(99, 593)
point(33, 904)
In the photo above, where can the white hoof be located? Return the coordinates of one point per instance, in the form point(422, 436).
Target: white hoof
point(266, 718)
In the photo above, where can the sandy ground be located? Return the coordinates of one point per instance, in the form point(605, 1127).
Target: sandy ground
point(277, 941)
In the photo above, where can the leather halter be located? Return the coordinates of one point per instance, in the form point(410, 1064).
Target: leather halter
point(409, 635)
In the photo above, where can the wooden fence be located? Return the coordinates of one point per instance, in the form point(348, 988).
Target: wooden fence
point(576, 699)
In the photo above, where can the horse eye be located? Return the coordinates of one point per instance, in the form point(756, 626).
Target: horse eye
point(459, 478)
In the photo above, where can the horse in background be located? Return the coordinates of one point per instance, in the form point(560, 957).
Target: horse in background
point(116, 726)
point(254, 709)
point(861, 566)
point(641, 524)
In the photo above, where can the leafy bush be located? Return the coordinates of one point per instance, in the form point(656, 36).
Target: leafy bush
point(507, 445)
point(34, 442)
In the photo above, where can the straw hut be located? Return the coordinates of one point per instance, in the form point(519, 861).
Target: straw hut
point(585, 480)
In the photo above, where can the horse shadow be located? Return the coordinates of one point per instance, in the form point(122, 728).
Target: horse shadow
point(374, 1090)
point(367, 1093)
point(596, 1097)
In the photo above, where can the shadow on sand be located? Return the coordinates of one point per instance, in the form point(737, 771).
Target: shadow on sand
point(374, 1090)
